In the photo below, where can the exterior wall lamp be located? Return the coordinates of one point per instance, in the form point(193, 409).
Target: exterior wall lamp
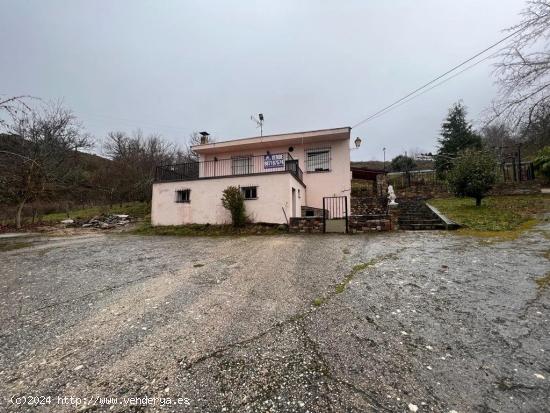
point(357, 142)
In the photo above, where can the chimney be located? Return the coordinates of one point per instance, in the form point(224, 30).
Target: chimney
point(204, 137)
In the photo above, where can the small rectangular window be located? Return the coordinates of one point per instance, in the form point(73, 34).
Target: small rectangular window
point(318, 160)
point(250, 192)
point(183, 195)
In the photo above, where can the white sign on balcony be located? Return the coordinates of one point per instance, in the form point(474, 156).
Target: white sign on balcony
point(274, 161)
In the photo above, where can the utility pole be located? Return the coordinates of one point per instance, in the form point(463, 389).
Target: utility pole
point(384, 149)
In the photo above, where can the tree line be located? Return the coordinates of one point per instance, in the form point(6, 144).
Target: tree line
point(45, 160)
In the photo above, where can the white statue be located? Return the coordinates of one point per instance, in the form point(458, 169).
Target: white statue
point(391, 195)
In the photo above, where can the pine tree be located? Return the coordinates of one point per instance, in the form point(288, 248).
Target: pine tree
point(456, 136)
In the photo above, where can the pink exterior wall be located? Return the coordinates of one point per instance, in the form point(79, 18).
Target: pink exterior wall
point(336, 182)
point(274, 194)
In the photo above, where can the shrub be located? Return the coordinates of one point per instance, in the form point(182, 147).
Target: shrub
point(402, 163)
point(233, 201)
point(472, 175)
point(542, 161)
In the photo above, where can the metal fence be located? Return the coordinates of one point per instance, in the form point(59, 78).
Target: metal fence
point(515, 171)
point(238, 165)
point(335, 208)
point(401, 180)
point(507, 172)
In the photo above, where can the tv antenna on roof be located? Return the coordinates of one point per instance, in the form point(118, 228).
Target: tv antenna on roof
point(259, 122)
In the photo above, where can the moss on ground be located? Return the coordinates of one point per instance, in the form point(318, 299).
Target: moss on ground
point(10, 246)
point(543, 282)
point(341, 286)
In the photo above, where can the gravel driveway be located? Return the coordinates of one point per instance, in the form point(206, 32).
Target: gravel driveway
point(432, 321)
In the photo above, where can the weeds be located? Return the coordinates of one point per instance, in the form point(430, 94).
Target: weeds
point(341, 286)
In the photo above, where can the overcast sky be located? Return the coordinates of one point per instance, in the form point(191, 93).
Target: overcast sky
point(175, 67)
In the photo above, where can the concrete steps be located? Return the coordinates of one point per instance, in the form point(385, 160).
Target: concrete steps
point(415, 215)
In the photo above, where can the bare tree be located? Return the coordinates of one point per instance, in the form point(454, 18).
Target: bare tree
point(195, 138)
point(524, 70)
point(38, 158)
point(134, 159)
point(497, 135)
point(12, 107)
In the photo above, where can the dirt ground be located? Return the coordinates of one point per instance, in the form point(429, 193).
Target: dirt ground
point(397, 322)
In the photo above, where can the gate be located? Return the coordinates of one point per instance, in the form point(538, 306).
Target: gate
point(335, 214)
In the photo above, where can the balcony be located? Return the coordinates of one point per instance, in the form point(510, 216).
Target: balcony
point(235, 166)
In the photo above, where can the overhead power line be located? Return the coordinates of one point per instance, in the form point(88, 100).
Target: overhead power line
point(431, 82)
point(436, 85)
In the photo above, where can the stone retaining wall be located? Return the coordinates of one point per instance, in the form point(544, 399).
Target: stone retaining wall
point(369, 223)
point(310, 225)
point(375, 205)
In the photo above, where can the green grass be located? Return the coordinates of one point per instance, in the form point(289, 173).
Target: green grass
point(10, 246)
point(209, 230)
point(496, 215)
point(134, 209)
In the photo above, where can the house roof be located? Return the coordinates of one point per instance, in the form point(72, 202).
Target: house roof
point(281, 139)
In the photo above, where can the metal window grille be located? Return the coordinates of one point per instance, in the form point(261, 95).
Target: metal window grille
point(241, 165)
point(318, 160)
point(183, 195)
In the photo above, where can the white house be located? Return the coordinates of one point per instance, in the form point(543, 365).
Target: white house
point(279, 175)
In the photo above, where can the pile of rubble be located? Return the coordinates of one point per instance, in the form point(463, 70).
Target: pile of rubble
point(101, 221)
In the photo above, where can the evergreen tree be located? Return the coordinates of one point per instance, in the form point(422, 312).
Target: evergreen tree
point(456, 135)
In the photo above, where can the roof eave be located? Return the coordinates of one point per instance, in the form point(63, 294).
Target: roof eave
point(261, 140)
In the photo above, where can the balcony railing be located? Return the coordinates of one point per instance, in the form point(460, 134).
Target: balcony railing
point(238, 165)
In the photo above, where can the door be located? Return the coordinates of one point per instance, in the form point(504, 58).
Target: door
point(335, 214)
point(293, 202)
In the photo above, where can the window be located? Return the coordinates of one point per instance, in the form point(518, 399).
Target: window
point(183, 195)
point(250, 192)
point(318, 160)
point(241, 165)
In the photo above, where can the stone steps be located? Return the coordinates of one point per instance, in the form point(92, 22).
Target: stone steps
point(415, 215)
